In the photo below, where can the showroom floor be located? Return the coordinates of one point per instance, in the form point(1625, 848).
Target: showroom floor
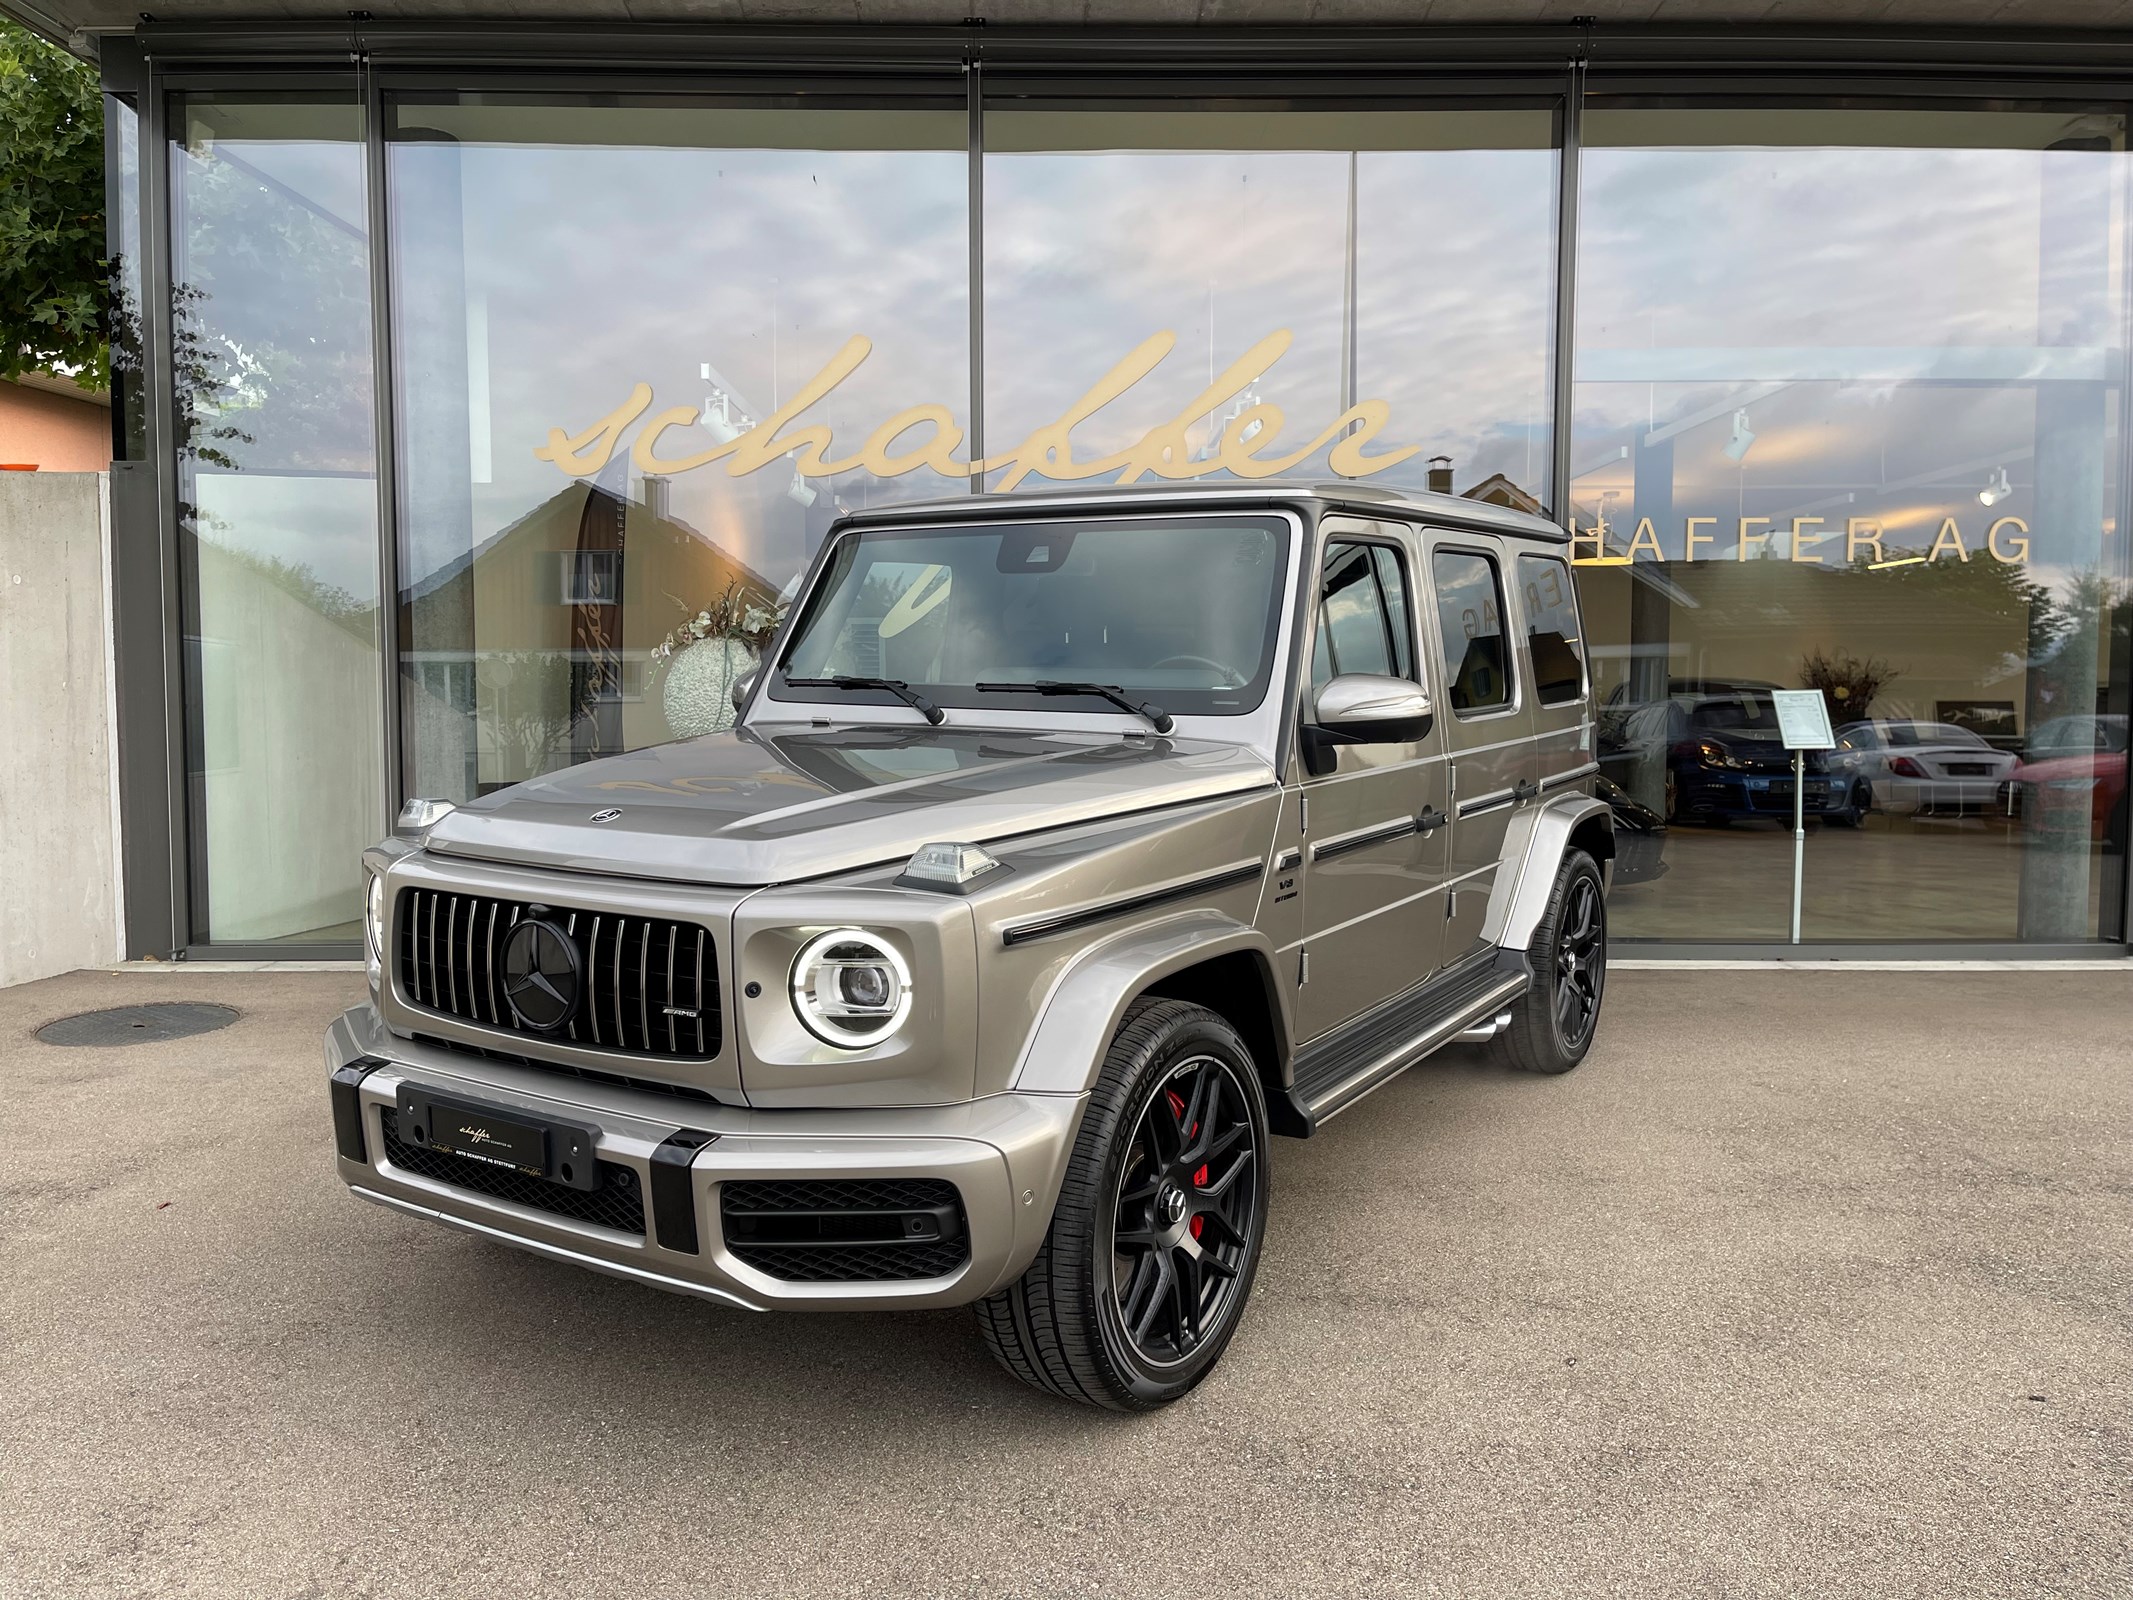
point(1807, 1283)
point(1893, 878)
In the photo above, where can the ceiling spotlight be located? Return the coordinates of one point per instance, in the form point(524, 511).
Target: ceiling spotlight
point(1251, 430)
point(1743, 436)
point(720, 420)
point(800, 491)
point(1996, 489)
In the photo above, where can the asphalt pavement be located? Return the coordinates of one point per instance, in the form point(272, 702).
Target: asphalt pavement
point(1806, 1283)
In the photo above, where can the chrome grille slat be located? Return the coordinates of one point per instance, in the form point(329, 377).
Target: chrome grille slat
point(449, 944)
point(451, 962)
point(496, 1013)
point(592, 964)
point(576, 1029)
point(672, 1000)
point(622, 1038)
point(644, 987)
point(429, 949)
point(701, 936)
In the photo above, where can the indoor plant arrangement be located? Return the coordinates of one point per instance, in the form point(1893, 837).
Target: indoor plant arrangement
point(697, 664)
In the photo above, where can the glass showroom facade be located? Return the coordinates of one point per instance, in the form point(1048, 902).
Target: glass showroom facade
point(493, 413)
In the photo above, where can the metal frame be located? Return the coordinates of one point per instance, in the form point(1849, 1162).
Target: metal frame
point(1327, 67)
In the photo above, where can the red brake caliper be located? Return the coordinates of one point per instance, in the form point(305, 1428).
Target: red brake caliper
point(1199, 1179)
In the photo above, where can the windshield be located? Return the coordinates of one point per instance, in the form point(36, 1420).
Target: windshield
point(1183, 613)
point(1752, 715)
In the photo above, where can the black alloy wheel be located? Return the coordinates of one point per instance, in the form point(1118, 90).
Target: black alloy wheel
point(1580, 964)
point(1186, 1212)
point(1147, 1266)
point(1553, 1022)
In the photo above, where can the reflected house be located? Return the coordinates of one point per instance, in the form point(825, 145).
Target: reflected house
point(568, 604)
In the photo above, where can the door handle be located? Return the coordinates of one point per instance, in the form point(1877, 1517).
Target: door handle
point(1523, 790)
point(1430, 820)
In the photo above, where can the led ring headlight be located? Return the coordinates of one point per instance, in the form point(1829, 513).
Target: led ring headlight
point(850, 989)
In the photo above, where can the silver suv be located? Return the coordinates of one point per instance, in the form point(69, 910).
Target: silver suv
point(1067, 847)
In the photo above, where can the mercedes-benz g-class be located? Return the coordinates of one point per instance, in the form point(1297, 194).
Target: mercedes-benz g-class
point(1066, 847)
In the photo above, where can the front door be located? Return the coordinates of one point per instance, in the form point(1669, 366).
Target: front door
point(1374, 833)
point(1485, 723)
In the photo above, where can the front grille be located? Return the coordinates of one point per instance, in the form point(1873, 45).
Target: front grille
point(845, 1230)
point(618, 1203)
point(650, 984)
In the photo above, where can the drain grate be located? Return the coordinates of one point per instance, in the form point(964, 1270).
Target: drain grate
point(167, 1019)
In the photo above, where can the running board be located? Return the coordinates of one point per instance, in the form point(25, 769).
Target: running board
point(1333, 1073)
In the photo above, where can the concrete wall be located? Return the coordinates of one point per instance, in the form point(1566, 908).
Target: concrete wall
point(58, 806)
point(54, 432)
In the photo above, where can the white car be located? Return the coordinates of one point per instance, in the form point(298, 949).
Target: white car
point(1926, 767)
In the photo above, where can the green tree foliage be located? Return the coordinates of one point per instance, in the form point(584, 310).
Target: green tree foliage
point(52, 300)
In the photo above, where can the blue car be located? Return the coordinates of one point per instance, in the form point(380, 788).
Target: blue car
point(1724, 761)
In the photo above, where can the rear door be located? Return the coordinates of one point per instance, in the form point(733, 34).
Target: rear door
point(1554, 666)
point(1375, 839)
point(1484, 718)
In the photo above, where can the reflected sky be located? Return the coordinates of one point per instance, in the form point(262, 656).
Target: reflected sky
point(588, 269)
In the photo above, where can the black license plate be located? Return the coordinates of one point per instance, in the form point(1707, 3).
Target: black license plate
point(496, 1136)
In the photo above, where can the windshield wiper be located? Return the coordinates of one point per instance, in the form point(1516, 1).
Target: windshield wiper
point(896, 686)
point(1155, 714)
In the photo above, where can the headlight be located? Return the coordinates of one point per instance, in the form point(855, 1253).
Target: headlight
point(850, 989)
point(374, 920)
point(1714, 754)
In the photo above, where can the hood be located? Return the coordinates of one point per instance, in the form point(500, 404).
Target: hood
point(760, 806)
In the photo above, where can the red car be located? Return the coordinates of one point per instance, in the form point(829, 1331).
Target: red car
point(2072, 778)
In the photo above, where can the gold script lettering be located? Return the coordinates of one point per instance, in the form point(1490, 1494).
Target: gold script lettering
point(1048, 450)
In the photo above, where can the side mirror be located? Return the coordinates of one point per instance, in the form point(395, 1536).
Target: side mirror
point(743, 687)
point(1365, 708)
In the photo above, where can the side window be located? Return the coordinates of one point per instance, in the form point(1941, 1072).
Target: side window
point(1477, 674)
point(1363, 622)
point(1552, 630)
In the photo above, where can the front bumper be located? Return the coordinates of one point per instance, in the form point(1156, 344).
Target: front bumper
point(1005, 1154)
point(1707, 793)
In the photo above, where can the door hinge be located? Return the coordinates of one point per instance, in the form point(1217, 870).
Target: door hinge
point(1303, 814)
point(1303, 967)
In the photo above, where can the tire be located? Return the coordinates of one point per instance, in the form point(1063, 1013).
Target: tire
point(1569, 951)
point(1068, 1324)
point(1856, 805)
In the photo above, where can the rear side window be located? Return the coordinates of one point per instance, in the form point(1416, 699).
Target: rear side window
point(1552, 630)
point(1477, 674)
point(1363, 621)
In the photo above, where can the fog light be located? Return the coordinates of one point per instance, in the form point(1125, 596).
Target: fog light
point(850, 989)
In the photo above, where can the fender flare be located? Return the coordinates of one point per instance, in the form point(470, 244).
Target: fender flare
point(1536, 844)
point(1065, 1046)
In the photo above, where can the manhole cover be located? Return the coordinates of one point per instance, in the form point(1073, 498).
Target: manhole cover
point(168, 1019)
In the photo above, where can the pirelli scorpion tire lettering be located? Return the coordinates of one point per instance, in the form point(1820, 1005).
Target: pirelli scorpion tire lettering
point(1554, 1020)
point(1149, 1261)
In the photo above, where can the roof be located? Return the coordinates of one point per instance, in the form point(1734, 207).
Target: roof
point(1368, 499)
point(1880, 23)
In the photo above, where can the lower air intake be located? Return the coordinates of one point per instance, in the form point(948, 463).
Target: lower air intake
point(618, 1203)
point(856, 1230)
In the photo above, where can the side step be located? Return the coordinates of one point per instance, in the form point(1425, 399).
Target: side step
point(1465, 1003)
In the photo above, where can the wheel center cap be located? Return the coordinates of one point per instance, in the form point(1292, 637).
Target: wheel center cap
point(1170, 1205)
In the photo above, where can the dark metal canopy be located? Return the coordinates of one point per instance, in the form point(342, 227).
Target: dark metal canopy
point(1170, 25)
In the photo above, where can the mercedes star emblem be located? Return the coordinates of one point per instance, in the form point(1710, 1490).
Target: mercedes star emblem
point(541, 975)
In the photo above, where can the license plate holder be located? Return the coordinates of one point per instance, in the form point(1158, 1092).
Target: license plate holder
point(503, 1137)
